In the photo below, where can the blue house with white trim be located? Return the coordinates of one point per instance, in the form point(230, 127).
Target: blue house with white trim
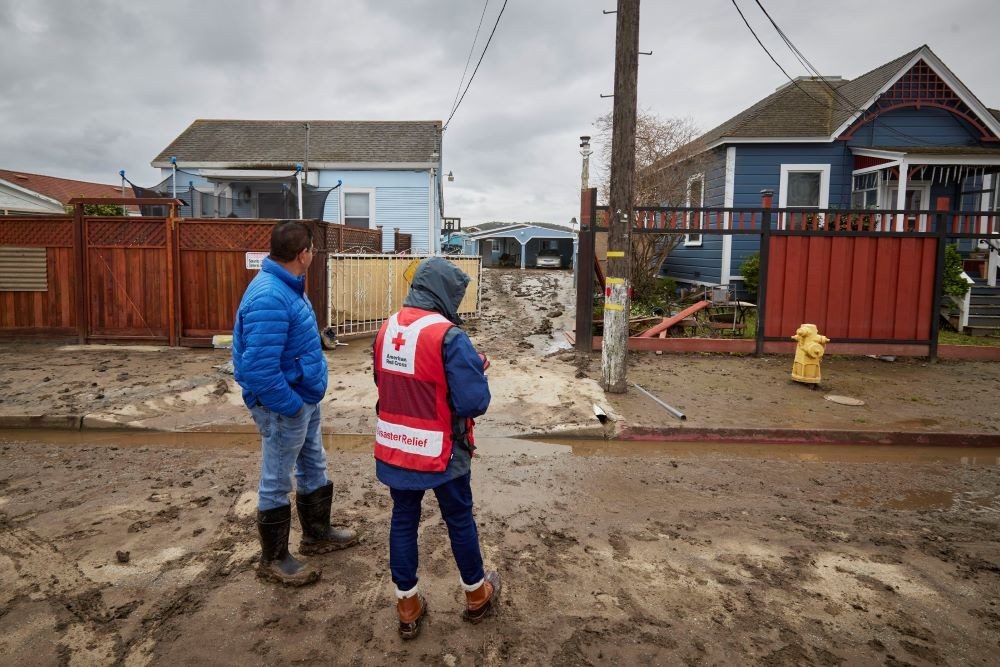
point(358, 173)
point(901, 136)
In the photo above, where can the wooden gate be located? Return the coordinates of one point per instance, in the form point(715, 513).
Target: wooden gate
point(127, 268)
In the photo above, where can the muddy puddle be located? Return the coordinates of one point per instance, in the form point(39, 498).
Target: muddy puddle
point(242, 438)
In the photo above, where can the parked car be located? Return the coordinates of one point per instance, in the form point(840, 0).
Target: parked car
point(548, 258)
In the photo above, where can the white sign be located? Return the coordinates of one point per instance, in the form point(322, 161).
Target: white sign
point(255, 259)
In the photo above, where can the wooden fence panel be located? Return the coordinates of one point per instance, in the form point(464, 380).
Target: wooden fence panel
point(213, 273)
point(52, 311)
point(852, 288)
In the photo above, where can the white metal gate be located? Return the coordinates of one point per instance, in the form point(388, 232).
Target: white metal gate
point(366, 289)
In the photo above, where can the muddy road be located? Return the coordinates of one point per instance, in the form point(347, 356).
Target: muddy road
point(142, 552)
point(139, 548)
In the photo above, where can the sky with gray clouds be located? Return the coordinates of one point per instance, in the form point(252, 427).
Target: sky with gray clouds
point(88, 87)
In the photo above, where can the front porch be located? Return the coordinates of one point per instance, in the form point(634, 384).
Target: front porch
point(938, 178)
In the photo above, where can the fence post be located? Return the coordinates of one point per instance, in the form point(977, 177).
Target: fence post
point(172, 319)
point(80, 258)
point(395, 240)
point(766, 200)
point(940, 222)
point(585, 271)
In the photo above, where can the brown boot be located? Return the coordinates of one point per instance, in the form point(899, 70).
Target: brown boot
point(481, 602)
point(411, 610)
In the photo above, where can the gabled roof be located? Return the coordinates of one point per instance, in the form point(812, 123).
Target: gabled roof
point(282, 143)
point(519, 229)
point(493, 226)
point(61, 189)
point(809, 110)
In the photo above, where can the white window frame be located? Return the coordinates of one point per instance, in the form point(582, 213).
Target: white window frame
point(357, 191)
point(824, 182)
point(197, 203)
point(693, 240)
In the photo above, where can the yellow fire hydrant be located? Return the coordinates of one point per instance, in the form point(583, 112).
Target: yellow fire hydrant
point(808, 353)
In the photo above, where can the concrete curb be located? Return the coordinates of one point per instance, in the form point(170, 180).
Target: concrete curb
point(53, 422)
point(788, 436)
point(809, 436)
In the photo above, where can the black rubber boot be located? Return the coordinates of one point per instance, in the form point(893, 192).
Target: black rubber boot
point(276, 563)
point(318, 536)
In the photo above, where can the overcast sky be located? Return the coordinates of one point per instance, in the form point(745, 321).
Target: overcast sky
point(91, 87)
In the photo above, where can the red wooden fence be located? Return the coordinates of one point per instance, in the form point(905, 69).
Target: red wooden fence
point(853, 287)
point(150, 280)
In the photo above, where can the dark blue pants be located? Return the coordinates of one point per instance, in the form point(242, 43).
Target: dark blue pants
point(455, 500)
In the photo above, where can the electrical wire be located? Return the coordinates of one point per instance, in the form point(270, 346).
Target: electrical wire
point(481, 56)
point(850, 107)
point(469, 59)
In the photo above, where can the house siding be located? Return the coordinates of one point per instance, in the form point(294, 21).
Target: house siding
point(759, 168)
point(915, 127)
point(402, 199)
point(702, 264)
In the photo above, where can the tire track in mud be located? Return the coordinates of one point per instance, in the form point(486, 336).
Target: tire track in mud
point(231, 552)
point(76, 602)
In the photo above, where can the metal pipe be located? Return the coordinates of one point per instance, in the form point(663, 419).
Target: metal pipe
point(298, 179)
point(669, 408)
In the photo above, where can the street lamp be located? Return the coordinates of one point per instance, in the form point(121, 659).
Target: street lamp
point(585, 152)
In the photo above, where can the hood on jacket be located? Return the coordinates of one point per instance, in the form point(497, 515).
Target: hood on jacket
point(438, 285)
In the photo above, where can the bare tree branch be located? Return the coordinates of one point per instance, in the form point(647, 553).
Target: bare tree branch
point(666, 156)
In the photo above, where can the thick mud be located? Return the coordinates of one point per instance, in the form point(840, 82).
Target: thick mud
point(139, 548)
point(136, 555)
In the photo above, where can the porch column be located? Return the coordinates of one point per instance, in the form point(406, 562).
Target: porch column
point(904, 170)
point(990, 224)
point(524, 253)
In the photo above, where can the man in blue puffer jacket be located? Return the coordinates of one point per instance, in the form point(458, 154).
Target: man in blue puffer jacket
point(279, 363)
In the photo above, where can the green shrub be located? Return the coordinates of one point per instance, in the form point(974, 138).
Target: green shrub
point(750, 269)
point(953, 282)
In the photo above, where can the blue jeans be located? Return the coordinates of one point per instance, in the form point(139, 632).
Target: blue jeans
point(455, 500)
point(289, 444)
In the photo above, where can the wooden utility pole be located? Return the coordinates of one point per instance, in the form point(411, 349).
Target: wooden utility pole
point(619, 284)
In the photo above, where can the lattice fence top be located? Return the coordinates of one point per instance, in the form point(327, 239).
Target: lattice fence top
point(126, 233)
point(215, 235)
point(45, 232)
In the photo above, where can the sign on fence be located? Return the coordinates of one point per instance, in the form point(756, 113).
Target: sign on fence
point(255, 260)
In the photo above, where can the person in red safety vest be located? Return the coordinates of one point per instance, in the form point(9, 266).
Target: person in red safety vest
point(431, 385)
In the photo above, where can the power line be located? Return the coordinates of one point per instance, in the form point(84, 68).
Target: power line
point(469, 59)
point(850, 107)
point(481, 56)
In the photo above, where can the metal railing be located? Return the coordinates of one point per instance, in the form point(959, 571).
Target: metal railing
point(366, 289)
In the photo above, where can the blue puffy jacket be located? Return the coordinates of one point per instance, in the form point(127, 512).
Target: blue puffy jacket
point(277, 355)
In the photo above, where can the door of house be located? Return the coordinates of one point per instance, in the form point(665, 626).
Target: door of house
point(918, 198)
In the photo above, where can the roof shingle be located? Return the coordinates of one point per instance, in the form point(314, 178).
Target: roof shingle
point(282, 143)
point(61, 189)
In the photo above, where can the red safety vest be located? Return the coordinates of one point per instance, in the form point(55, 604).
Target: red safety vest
point(414, 421)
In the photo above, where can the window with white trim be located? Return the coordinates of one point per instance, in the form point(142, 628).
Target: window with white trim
point(695, 198)
point(358, 209)
point(804, 186)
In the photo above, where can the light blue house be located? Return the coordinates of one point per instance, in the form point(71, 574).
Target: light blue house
point(518, 243)
point(359, 173)
point(906, 135)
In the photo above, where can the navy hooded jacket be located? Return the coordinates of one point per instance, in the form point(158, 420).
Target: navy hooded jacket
point(439, 286)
